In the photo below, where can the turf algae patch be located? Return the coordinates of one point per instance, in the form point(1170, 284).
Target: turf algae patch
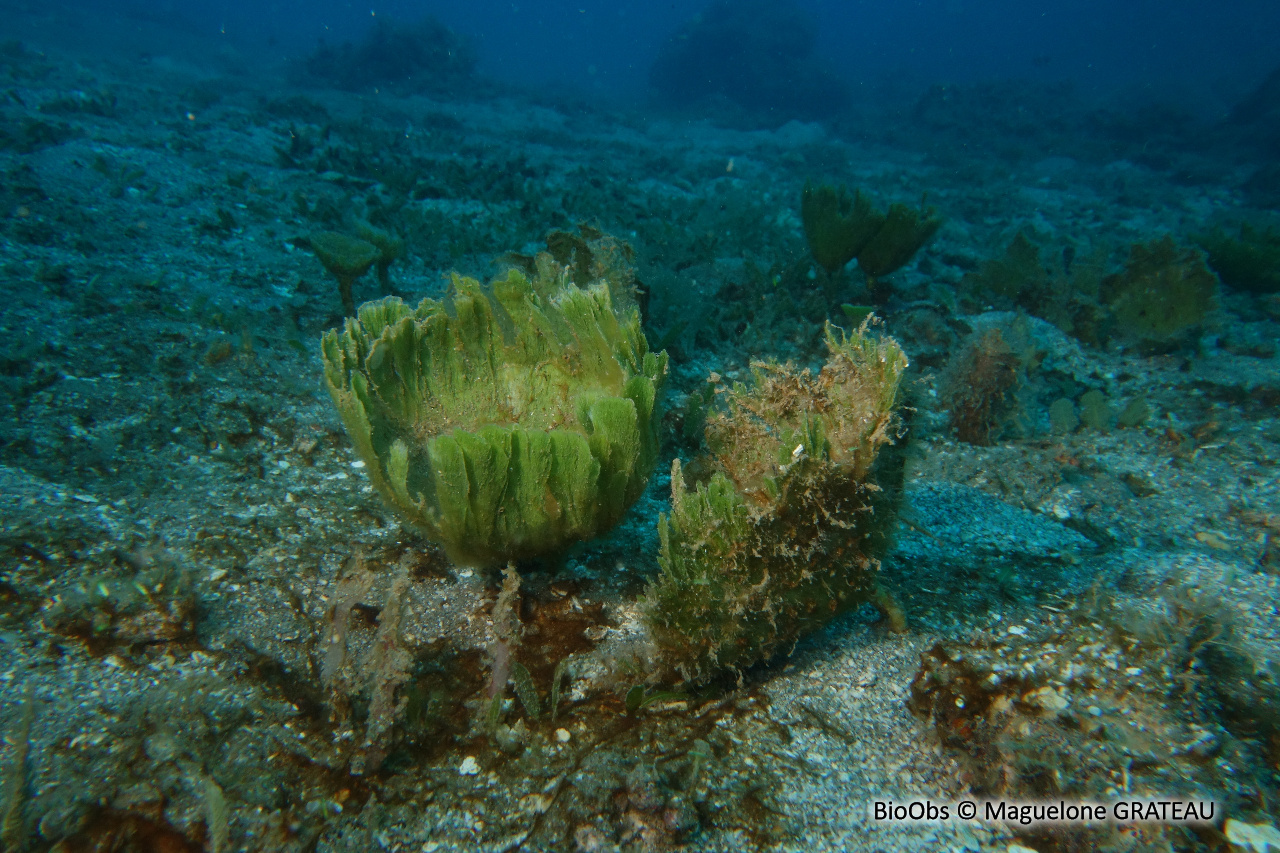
point(122, 831)
point(601, 778)
point(1117, 695)
point(593, 775)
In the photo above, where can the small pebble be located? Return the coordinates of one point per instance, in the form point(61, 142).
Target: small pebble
point(1253, 837)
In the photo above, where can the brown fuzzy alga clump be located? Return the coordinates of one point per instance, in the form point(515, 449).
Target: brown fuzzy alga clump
point(787, 532)
point(979, 388)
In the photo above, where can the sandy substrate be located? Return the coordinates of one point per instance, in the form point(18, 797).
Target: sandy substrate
point(178, 501)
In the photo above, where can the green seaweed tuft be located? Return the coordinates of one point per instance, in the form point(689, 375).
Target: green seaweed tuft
point(1249, 262)
point(841, 227)
point(390, 248)
point(836, 224)
point(1162, 296)
point(904, 232)
point(1053, 282)
point(346, 258)
point(787, 532)
point(516, 423)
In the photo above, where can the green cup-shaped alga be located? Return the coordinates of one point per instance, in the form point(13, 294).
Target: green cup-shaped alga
point(508, 423)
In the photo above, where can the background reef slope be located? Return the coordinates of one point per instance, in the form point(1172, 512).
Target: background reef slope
point(186, 534)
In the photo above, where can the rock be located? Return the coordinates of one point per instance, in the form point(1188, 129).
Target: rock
point(1252, 837)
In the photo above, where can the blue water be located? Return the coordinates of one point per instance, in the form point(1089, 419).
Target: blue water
point(1197, 53)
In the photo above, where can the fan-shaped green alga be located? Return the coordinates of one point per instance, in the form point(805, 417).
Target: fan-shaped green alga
point(507, 422)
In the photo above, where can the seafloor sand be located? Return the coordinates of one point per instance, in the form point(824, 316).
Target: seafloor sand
point(178, 498)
